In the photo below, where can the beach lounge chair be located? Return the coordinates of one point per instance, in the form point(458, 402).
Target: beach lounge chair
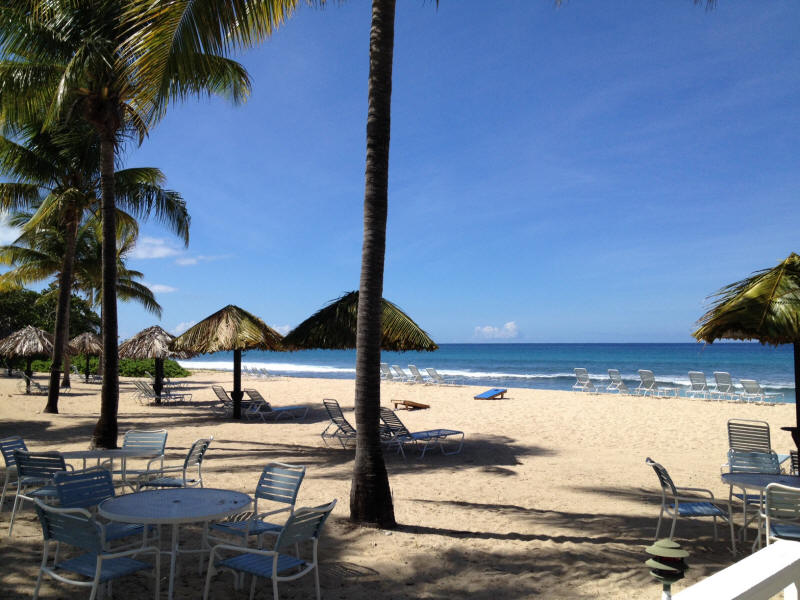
point(401, 375)
point(686, 502)
point(417, 376)
point(159, 478)
point(583, 383)
point(400, 435)
point(7, 447)
point(76, 527)
point(339, 428)
point(437, 378)
point(280, 563)
point(651, 387)
point(386, 372)
point(35, 472)
point(781, 516)
point(492, 394)
point(724, 387)
point(616, 385)
point(28, 385)
point(277, 490)
point(259, 407)
point(226, 402)
point(753, 392)
point(698, 386)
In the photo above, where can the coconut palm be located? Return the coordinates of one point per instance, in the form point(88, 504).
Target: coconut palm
point(763, 307)
point(57, 172)
point(93, 59)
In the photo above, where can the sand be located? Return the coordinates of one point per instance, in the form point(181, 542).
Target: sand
point(549, 498)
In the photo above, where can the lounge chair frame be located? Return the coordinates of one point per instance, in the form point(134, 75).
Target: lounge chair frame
point(400, 435)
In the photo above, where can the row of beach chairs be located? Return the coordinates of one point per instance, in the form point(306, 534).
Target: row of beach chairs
point(397, 373)
point(724, 388)
point(256, 373)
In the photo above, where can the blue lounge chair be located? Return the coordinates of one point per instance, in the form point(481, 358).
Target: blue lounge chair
point(259, 407)
point(491, 394)
point(339, 428)
point(400, 435)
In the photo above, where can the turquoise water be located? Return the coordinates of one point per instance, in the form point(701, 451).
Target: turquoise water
point(546, 366)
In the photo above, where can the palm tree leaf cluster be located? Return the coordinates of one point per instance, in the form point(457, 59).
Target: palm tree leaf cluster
point(334, 328)
point(230, 328)
point(763, 307)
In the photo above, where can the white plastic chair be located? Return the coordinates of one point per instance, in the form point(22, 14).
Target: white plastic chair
point(416, 375)
point(616, 385)
point(583, 384)
point(698, 386)
point(753, 392)
point(724, 387)
point(437, 378)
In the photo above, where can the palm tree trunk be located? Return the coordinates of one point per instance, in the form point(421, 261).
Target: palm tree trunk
point(65, 382)
point(105, 432)
point(62, 310)
point(796, 436)
point(370, 495)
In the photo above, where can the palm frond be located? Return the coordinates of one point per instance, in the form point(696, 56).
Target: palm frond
point(231, 328)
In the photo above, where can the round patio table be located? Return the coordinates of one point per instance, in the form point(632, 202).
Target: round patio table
point(174, 507)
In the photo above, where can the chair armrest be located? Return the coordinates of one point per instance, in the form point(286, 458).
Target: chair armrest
point(271, 512)
point(696, 490)
point(152, 460)
point(246, 549)
point(131, 552)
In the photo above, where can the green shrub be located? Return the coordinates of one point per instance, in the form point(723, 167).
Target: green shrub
point(127, 367)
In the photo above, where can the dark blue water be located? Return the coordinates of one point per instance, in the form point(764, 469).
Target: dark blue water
point(545, 366)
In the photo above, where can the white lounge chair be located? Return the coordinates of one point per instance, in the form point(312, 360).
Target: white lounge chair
point(584, 384)
point(698, 386)
point(386, 372)
point(417, 376)
point(753, 392)
point(616, 385)
point(724, 387)
point(437, 378)
point(401, 375)
point(650, 386)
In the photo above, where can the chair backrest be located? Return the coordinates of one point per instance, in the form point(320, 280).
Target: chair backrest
point(256, 396)
point(335, 414)
point(393, 422)
point(648, 379)
point(723, 381)
point(753, 462)
point(749, 435)
point(280, 482)
point(146, 439)
point(197, 452)
point(221, 393)
point(387, 372)
point(304, 524)
point(73, 526)
point(782, 503)
point(752, 387)
point(416, 374)
point(434, 375)
point(399, 371)
point(7, 447)
point(697, 381)
point(582, 375)
point(616, 379)
point(83, 489)
point(795, 462)
point(42, 465)
point(667, 486)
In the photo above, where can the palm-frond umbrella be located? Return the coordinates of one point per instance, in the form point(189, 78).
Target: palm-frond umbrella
point(231, 328)
point(763, 307)
point(154, 343)
point(88, 344)
point(334, 328)
point(28, 343)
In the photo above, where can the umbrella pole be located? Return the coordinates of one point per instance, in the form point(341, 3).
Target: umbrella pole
point(158, 384)
point(237, 394)
point(87, 367)
point(29, 373)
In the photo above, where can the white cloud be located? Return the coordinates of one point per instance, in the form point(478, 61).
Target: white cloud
point(282, 329)
point(181, 327)
point(185, 261)
point(150, 247)
point(7, 234)
point(506, 332)
point(160, 288)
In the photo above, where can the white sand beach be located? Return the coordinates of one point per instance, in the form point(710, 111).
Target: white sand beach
point(549, 498)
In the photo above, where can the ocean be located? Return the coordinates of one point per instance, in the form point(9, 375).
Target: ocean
point(544, 366)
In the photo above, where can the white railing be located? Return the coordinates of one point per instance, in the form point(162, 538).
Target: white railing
point(759, 576)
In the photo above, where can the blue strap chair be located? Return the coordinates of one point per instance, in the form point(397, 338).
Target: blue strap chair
point(677, 502)
point(305, 525)
point(781, 512)
point(76, 527)
point(194, 459)
point(279, 484)
point(35, 472)
point(143, 439)
point(86, 489)
point(7, 447)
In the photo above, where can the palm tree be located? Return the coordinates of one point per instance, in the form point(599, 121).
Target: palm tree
point(88, 57)
point(57, 172)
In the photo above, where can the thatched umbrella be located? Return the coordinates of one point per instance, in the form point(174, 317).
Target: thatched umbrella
point(28, 343)
point(154, 343)
point(334, 328)
point(763, 307)
point(231, 328)
point(87, 343)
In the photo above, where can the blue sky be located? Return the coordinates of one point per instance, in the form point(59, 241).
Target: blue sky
point(582, 174)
